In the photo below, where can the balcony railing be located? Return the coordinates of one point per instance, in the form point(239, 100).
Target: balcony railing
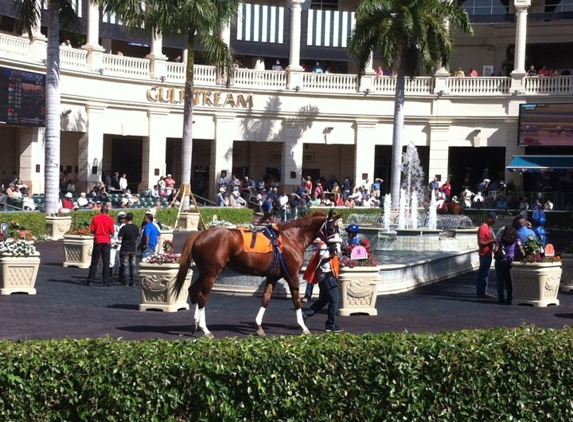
point(77, 59)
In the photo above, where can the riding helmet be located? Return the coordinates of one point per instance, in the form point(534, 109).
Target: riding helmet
point(353, 228)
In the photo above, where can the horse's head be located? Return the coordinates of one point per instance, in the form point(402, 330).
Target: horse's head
point(329, 231)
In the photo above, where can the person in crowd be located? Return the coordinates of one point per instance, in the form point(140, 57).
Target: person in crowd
point(267, 208)
point(83, 200)
point(116, 244)
point(68, 203)
point(379, 71)
point(317, 68)
point(349, 203)
point(28, 203)
point(169, 185)
point(128, 235)
point(508, 249)
point(523, 228)
point(460, 73)
point(486, 241)
point(223, 180)
point(548, 206)
point(123, 183)
point(277, 66)
point(472, 72)
point(103, 196)
point(346, 186)
point(13, 192)
point(149, 236)
point(478, 200)
point(221, 199)
point(323, 269)
point(115, 181)
point(236, 201)
point(434, 184)
point(161, 186)
point(501, 203)
point(102, 227)
point(543, 71)
point(531, 71)
point(446, 189)
point(524, 204)
point(71, 187)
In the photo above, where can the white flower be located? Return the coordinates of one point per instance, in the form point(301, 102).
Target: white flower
point(15, 247)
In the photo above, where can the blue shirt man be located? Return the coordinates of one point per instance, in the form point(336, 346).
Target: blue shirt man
point(149, 237)
point(524, 231)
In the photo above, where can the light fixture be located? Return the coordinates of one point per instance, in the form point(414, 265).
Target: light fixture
point(66, 112)
point(477, 129)
point(440, 92)
point(100, 71)
point(297, 88)
point(162, 78)
point(367, 91)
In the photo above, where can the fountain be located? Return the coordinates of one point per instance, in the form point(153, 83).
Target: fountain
point(408, 255)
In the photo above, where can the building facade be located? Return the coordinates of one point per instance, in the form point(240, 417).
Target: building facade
point(124, 112)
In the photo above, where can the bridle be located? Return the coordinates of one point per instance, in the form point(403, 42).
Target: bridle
point(328, 228)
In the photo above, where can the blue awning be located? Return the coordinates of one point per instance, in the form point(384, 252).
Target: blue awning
point(540, 163)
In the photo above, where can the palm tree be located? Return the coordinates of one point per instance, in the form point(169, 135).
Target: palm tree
point(29, 14)
point(408, 35)
point(198, 20)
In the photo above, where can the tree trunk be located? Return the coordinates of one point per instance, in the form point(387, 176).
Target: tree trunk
point(397, 135)
point(187, 142)
point(52, 146)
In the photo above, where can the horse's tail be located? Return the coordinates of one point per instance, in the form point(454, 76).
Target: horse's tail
point(185, 263)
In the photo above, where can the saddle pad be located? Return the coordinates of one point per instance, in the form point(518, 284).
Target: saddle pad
point(257, 242)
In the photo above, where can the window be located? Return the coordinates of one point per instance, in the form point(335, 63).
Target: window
point(324, 4)
point(556, 6)
point(486, 7)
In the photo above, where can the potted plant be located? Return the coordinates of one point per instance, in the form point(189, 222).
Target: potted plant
point(156, 278)
point(536, 277)
point(20, 261)
point(189, 219)
point(358, 280)
point(78, 246)
point(166, 235)
point(57, 225)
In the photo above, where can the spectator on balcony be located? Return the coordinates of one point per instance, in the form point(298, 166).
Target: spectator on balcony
point(277, 66)
point(71, 186)
point(119, 53)
point(177, 59)
point(123, 183)
point(472, 72)
point(565, 72)
point(548, 206)
point(379, 71)
point(66, 43)
point(543, 71)
point(169, 185)
point(28, 202)
point(460, 73)
point(317, 68)
point(532, 71)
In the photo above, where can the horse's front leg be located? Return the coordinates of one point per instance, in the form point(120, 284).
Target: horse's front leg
point(269, 287)
point(294, 287)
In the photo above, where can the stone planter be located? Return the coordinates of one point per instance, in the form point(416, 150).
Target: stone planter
point(156, 284)
point(358, 290)
point(56, 227)
point(567, 274)
point(78, 250)
point(165, 235)
point(189, 221)
point(19, 274)
point(536, 283)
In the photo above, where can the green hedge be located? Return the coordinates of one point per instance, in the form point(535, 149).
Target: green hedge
point(522, 374)
point(232, 215)
point(33, 221)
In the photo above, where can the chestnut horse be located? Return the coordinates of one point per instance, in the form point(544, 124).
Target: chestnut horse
point(219, 247)
point(451, 208)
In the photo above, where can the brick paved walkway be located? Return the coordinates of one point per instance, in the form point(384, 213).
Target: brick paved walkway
point(65, 307)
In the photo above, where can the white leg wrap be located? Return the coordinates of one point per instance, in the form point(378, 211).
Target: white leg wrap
point(196, 314)
point(259, 318)
point(300, 320)
point(203, 322)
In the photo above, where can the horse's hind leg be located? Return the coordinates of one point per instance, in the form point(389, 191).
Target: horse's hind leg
point(269, 287)
point(199, 291)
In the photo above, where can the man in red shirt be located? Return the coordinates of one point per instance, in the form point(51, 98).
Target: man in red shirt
point(486, 241)
point(102, 227)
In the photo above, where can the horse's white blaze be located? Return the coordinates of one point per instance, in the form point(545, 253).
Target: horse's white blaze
point(259, 318)
point(300, 320)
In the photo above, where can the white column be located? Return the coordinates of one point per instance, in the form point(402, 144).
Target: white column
point(292, 155)
point(158, 66)
point(364, 157)
point(94, 49)
point(90, 150)
point(221, 152)
point(225, 33)
point(295, 25)
point(518, 73)
point(439, 135)
point(31, 169)
point(154, 147)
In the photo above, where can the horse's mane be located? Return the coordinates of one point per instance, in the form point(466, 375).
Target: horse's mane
point(303, 222)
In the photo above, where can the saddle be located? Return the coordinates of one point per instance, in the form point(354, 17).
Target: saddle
point(261, 241)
